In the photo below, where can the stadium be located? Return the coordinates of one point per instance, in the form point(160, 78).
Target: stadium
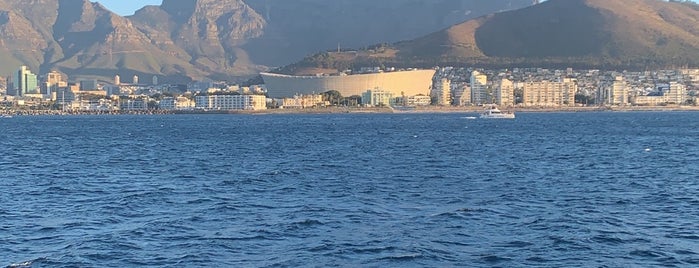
point(409, 83)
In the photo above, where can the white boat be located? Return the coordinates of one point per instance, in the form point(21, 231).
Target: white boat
point(5, 116)
point(492, 112)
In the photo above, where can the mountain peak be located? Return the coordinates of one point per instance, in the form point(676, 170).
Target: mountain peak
point(564, 33)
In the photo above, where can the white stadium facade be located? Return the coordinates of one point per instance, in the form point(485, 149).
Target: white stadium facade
point(408, 83)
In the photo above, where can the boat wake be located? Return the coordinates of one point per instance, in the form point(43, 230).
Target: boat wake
point(24, 264)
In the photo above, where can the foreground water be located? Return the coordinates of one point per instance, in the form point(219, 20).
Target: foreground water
point(406, 190)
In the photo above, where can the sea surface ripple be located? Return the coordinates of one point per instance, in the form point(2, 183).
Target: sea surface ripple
point(351, 190)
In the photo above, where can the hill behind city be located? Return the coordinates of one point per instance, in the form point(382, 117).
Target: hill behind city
point(605, 34)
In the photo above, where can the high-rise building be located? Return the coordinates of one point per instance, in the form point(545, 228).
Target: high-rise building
point(53, 81)
point(479, 88)
point(135, 79)
point(26, 82)
point(117, 80)
point(155, 80)
point(505, 92)
point(613, 93)
point(549, 94)
point(677, 93)
point(462, 94)
point(442, 92)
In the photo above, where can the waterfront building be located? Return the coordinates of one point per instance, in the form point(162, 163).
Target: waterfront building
point(614, 92)
point(133, 105)
point(378, 97)
point(479, 88)
point(117, 80)
point(441, 92)
point(231, 102)
point(135, 80)
point(25, 82)
point(549, 94)
point(505, 93)
point(179, 103)
point(462, 94)
point(303, 101)
point(677, 94)
point(409, 82)
point(417, 100)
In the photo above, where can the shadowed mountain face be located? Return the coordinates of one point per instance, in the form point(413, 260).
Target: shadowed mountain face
point(635, 34)
point(193, 39)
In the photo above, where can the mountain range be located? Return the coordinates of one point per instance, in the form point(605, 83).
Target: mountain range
point(183, 40)
point(605, 34)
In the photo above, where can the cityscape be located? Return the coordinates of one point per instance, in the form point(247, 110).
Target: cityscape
point(349, 133)
point(518, 88)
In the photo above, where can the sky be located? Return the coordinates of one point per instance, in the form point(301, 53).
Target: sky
point(127, 7)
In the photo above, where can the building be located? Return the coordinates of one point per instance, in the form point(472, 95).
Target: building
point(117, 80)
point(549, 94)
point(411, 82)
point(378, 97)
point(26, 82)
point(674, 93)
point(303, 101)
point(135, 80)
point(505, 93)
point(462, 94)
point(88, 85)
point(677, 94)
point(53, 82)
point(133, 105)
point(613, 93)
point(479, 88)
point(179, 103)
point(155, 80)
point(231, 102)
point(418, 100)
point(442, 92)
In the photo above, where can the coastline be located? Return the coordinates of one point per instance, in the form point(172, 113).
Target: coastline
point(358, 110)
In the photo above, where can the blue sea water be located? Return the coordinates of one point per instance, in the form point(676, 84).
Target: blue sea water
point(351, 190)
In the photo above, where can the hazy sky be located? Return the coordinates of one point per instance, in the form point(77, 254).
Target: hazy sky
point(127, 7)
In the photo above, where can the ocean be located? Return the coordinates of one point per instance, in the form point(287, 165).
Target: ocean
point(596, 189)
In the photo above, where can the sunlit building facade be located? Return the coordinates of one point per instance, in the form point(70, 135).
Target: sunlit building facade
point(408, 83)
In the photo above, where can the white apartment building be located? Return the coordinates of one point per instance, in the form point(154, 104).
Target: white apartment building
point(677, 94)
point(179, 103)
point(614, 93)
point(231, 102)
point(549, 94)
point(479, 88)
point(378, 97)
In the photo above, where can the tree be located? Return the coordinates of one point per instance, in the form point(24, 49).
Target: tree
point(332, 96)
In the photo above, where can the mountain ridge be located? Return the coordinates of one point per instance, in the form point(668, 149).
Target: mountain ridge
point(636, 34)
point(182, 40)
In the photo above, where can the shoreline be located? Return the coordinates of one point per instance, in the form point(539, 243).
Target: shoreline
point(356, 110)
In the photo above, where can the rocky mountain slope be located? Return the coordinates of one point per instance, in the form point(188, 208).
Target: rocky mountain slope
point(637, 34)
point(219, 39)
